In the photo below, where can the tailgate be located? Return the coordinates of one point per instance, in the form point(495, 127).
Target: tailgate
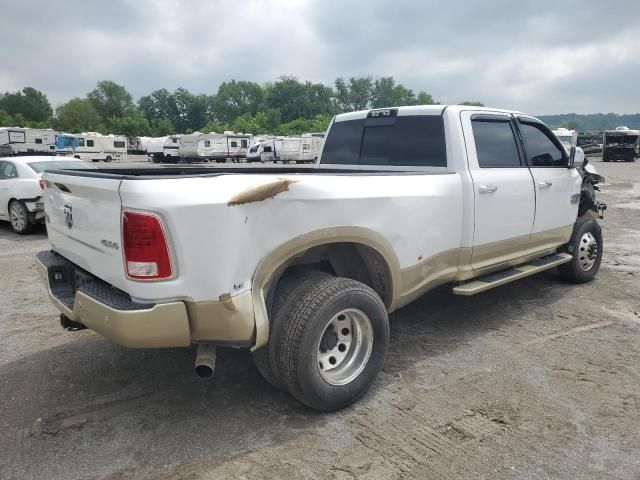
point(83, 223)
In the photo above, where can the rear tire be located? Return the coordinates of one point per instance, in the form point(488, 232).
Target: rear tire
point(586, 247)
point(20, 218)
point(288, 290)
point(334, 343)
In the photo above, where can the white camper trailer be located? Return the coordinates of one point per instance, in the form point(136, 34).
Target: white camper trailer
point(16, 141)
point(137, 145)
point(214, 146)
point(164, 149)
point(95, 147)
point(568, 138)
point(155, 149)
point(264, 149)
point(300, 149)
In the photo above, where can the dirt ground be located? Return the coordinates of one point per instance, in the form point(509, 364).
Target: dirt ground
point(537, 379)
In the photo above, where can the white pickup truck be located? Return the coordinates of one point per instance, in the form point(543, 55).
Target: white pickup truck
point(303, 265)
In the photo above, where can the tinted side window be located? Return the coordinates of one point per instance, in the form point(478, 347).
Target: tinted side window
point(542, 151)
point(81, 142)
point(118, 144)
point(89, 143)
point(244, 143)
point(413, 141)
point(495, 143)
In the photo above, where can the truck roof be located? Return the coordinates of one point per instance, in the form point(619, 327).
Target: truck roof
point(420, 110)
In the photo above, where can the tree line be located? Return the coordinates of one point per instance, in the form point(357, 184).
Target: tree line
point(286, 106)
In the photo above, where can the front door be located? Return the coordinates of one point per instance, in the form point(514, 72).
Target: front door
point(504, 197)
point(557, 186)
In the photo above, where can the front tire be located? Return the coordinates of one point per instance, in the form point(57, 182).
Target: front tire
point(20, 218)
point(586, 247)
point(334, 343)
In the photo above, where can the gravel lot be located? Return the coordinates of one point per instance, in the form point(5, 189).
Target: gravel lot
point(537, 379)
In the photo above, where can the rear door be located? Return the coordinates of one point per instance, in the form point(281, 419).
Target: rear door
point(83, 222)
point(503, 188)
point(557, 187)
point(7, 177)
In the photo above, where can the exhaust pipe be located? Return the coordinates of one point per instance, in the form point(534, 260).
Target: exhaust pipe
point(70, 325)
point(205, 360)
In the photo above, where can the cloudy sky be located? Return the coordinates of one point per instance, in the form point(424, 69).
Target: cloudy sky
point(538, 56)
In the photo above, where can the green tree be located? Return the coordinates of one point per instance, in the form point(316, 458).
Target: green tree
point(236, 98)
point(159, 105)
point(78, 115)
point(163, 127)
point(111, 100)
point(472, 103)
point(355, 95)
point(31, 103)
point(295, 99)
point(132, 126)
point(425, 98)
point(386, 93)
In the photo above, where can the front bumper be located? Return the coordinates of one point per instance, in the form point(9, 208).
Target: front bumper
point(110, 312)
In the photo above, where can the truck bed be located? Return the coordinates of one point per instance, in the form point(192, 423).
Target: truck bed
point(178, 172)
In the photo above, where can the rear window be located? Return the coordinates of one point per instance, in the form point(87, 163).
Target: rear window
point(407, 141)
point(40, 167)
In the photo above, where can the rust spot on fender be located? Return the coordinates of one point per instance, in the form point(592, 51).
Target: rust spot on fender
point(261, 192)
point(227, 301)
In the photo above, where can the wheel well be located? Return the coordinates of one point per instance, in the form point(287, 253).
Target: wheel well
point(343, 259)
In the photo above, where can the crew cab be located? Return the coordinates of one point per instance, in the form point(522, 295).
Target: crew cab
point(302, 266)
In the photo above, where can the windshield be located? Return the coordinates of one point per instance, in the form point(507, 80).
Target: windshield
point(40, 167)
point(621, 139)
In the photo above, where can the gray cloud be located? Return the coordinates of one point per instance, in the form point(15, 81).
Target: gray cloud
point(540, 57)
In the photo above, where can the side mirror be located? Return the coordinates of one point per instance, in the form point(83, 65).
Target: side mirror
point(572, 157)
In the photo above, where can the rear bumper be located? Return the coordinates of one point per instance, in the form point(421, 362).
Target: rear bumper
point(113, 314)
point(36, 207)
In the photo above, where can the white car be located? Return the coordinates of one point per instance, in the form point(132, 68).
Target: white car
point(21, 187)
point(303, 265)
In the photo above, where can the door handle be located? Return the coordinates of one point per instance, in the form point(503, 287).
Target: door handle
point(487, 188)
point(545, 184)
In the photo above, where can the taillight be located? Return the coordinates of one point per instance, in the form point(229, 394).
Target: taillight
point(41, 182)
point(146, 254)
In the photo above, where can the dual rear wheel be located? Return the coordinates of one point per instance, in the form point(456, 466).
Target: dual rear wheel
point(328, 340)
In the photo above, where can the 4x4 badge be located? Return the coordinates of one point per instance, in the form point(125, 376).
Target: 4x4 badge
point(68, 215)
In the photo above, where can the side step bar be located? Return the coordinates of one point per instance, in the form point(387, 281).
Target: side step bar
point(509, 275)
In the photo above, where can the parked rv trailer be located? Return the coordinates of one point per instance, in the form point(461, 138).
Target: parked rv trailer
point(137, 145)
point(300, 149)
point(66, 144)
point(206, 147)
point(94, 147)
point(25, 141)
point(568, 138)
point(155, 149)
point(621, 144)
point(170, 149)
point(264, 149)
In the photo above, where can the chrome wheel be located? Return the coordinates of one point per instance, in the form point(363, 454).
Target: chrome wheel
point(587, 251)
point(345, 346)
point(18, 217)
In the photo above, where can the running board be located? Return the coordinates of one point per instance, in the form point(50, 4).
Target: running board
point(487, 282)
